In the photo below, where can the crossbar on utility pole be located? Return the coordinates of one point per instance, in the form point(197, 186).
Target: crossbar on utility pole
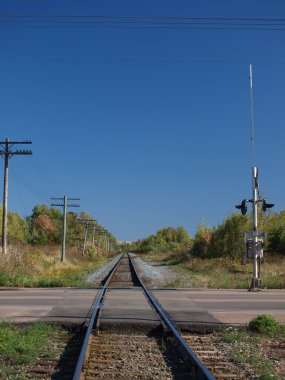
point(88, 222)
point(8, 153)
point(65, 204)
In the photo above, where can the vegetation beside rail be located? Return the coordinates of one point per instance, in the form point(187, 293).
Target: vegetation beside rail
point(34, 250)
point(225, 240)
point(260, 347)
point(212, 259)
point(20, 347)
point(220, 273)
point(44, 226)
point(40, 266)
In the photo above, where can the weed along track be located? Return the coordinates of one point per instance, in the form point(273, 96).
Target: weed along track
point(55, 360)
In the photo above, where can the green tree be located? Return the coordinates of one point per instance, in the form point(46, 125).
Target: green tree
point(228, 238)
point(182, 236)
point(45, 225)
point(165, 239)
point(17, 226)
point(201, 243)
point(275, 228)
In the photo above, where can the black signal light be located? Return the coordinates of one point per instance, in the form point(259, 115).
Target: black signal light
point(242, 207)
point(266, 205)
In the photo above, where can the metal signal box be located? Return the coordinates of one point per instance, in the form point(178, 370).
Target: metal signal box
point(254, 249)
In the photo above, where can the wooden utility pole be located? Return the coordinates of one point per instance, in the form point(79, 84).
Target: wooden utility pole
point(87, 222)
point(64, 205)
point(100, 236)
point(98, 239)
point(8, 153)
point(104, 238)
point(94, 232)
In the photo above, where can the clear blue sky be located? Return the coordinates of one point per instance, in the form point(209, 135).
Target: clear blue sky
point(126, 119)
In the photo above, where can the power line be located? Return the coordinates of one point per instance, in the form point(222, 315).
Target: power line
point(154, 23)
point(110, 26)
point(30, 185)
point(29, 179)
point(47, 174)
point(41, 15)
point(42, 174)
point(139, 22)
point(34, 175)
point(126, 60)
point(21, 198)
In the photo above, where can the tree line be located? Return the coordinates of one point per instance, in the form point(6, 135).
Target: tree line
point(224, 240)
point(44, 226)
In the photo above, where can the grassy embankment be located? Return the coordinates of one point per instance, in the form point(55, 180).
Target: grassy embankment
point(27, 266)
point(224, 273)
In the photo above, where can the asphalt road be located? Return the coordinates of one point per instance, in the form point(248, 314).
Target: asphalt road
point(183, 305)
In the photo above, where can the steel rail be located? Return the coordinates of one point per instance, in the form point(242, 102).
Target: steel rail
point(95, 307)
point(202, 371)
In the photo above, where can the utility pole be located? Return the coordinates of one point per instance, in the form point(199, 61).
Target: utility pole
point(65, 204)
point(85, 237)
point(88, 222)
point(105, 239)
point(100, 234)
point(8, 153)
point(94, 232)
point(109, 243)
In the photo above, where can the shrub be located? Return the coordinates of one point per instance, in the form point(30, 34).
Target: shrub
point(165, 239)
point(201, 242)
point(228, 237)
point(264, 323)
point(92, 251)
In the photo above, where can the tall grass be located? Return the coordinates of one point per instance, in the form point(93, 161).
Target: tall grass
point(26, 266)
point(224, 273)
point(228, 273)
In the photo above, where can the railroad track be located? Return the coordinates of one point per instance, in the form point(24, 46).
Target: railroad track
point(159, 353)
point(127, 351)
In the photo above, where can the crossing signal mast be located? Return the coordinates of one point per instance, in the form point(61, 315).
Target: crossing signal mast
point(254, 240)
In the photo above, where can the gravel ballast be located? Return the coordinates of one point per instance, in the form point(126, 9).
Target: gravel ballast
point(97, 276)
point(154, 274)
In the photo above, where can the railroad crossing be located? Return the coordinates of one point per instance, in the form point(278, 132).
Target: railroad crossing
point(184, 305)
